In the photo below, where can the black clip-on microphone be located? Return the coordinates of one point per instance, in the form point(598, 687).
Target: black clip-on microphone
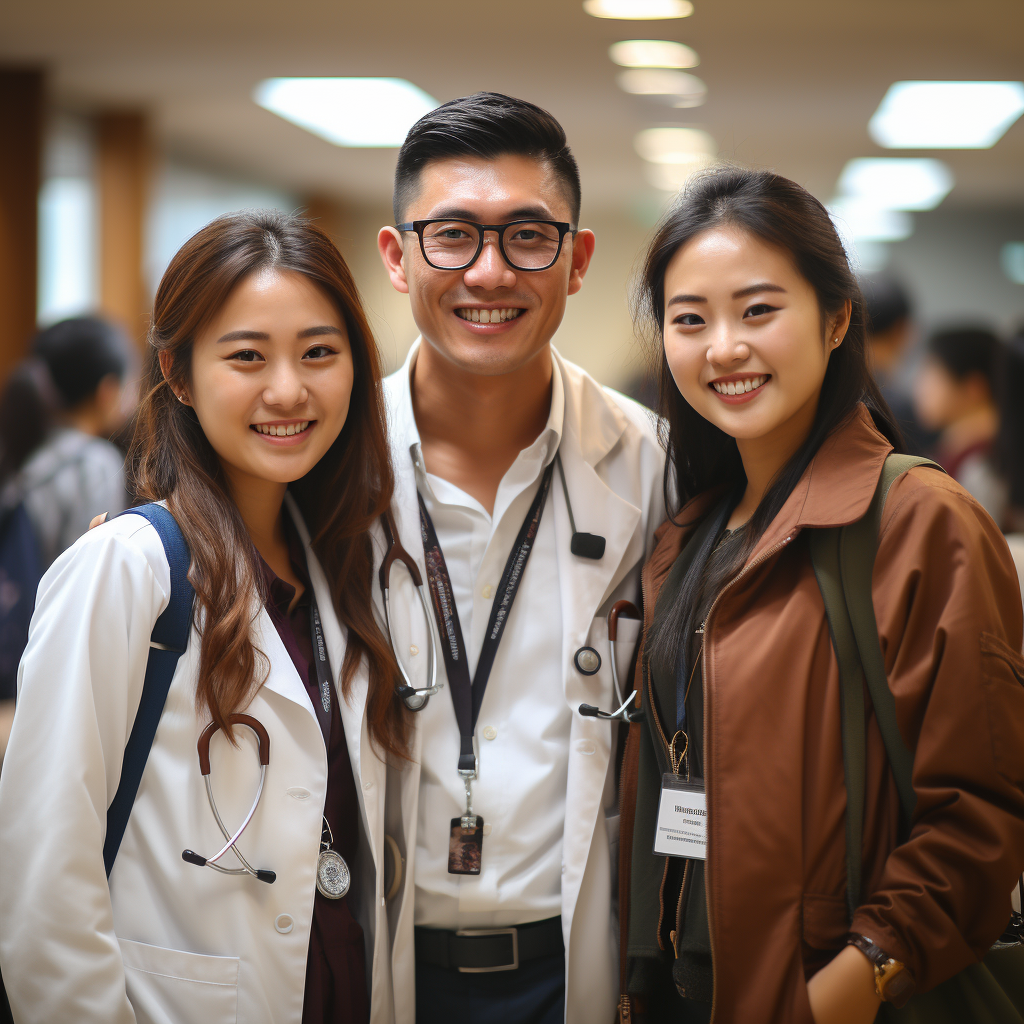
point(583, 545)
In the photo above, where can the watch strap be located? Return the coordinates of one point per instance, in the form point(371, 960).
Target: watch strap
point(893, 982)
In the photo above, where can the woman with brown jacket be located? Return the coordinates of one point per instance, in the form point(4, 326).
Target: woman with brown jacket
point(776, 429)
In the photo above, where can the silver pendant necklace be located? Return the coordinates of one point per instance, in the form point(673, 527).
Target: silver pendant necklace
point(333, 877)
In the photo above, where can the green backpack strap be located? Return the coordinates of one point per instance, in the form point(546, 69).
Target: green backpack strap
point(843, 559)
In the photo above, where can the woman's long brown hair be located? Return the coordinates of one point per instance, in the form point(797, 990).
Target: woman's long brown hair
point(339, 498)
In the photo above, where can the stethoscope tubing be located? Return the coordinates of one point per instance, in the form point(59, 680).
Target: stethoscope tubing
point(415, 699)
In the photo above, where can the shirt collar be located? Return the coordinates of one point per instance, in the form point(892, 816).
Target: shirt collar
point(542, 450)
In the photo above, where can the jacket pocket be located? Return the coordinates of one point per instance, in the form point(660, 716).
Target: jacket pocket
point(825, 922)
point(1003, 684)
point(172, 986)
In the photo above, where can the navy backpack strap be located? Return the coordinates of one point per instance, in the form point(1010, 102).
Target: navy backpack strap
point(168, 643)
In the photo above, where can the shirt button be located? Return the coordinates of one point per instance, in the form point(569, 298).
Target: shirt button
point(298, 793)
point(487, 591)
point(284, 923)
point(367, 785)
point(413, 650)
point(586, 746)
point(490, 732)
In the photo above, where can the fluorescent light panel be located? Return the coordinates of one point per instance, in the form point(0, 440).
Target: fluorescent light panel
point(862, 221)
point(674, 145)
point(652, 53)
point(679, 89)
point(638, 10)
point(360, 112)
point(893, 183)
point(946, 115)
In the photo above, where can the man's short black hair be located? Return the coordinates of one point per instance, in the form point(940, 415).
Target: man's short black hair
point(966, 350)
point(488, 125)
point(886, 302)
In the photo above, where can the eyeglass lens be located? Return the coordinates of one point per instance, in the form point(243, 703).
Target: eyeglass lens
point(453, 244)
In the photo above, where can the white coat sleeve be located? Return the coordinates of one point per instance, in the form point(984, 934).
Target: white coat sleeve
point(79, 688)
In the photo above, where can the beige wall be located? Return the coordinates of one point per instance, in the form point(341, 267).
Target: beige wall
point(596, 333)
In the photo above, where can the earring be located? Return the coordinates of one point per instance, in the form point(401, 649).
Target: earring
point(182, 399)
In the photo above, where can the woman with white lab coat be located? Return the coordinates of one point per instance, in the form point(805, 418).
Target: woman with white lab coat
point(263, 433)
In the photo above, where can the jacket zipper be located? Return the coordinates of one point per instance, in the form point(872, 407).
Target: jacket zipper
point(707, 775)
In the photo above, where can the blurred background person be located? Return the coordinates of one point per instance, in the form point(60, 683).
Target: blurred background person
point(889, 325)
point(953, 395)
point(57, 466)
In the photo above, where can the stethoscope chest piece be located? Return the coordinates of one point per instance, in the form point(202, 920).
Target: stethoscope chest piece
point(333, 878)
point(587, 661)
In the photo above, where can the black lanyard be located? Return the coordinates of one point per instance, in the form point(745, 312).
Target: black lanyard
point(467, 696)
point(322, 663)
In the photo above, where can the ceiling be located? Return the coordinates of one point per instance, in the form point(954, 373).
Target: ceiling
point(791, 83)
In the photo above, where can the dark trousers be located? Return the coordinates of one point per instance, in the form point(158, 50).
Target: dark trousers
point(534, 993)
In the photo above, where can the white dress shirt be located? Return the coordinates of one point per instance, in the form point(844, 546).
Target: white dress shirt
point(522, 734)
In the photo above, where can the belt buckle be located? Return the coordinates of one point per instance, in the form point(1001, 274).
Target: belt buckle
point(480, 933)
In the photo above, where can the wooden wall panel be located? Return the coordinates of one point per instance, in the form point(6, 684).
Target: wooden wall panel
point(21, 141)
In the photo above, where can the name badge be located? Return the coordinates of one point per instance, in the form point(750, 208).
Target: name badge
point(682, 819)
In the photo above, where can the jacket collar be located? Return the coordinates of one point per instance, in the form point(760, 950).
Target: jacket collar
point(835, 490)
point(837, 487)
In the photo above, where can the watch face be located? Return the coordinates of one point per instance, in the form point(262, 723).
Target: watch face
point(895, 983)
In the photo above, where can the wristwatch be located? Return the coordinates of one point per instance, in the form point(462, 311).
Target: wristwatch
point(893, 982)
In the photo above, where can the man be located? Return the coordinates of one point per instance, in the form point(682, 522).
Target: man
point(535, 492)
point(889, 317)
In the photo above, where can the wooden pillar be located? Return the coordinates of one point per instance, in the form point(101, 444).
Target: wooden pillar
point(21, 143)
point(123, 162)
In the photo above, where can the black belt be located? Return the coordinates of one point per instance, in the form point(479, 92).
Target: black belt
point(479, 950)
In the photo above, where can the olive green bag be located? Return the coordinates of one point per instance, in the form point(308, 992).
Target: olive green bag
point(992, 990)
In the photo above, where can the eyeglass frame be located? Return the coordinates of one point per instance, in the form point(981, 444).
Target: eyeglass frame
point(417, 226)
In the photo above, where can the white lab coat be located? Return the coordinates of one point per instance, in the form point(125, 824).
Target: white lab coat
point(613, 467)
point(167, 942)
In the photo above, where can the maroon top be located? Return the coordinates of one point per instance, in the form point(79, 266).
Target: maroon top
point(336, 966)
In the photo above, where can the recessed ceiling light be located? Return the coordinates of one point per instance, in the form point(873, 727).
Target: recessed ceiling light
point(652, 53)
point(348, 111)
point(638, 10)
point(892, 183)
point(863, 221)
point(672, 177)
point(674, 145)
point(677, 88)
point(946, 115)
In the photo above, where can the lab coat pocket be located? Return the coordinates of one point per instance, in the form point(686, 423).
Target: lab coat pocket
point(171, 986)
point(628, 634)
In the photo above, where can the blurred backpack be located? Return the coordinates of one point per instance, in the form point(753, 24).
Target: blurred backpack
point(20, 572)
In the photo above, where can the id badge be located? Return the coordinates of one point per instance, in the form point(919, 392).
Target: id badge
point(465, 847)
point(682, 829)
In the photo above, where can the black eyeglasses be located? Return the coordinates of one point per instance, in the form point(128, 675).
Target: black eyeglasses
point(456, 244)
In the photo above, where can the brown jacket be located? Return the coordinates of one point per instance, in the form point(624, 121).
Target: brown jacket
point(949, 617)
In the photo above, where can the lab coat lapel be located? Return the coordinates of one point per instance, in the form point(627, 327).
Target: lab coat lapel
point(592, 427)
point(366, 767)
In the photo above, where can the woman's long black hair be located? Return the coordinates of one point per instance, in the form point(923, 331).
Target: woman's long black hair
point(701, 457)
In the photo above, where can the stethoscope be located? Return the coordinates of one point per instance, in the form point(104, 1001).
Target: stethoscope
point(333, 878)
point(204, 766)
point(583, 545)
point(624, 712)
point(415, 699)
